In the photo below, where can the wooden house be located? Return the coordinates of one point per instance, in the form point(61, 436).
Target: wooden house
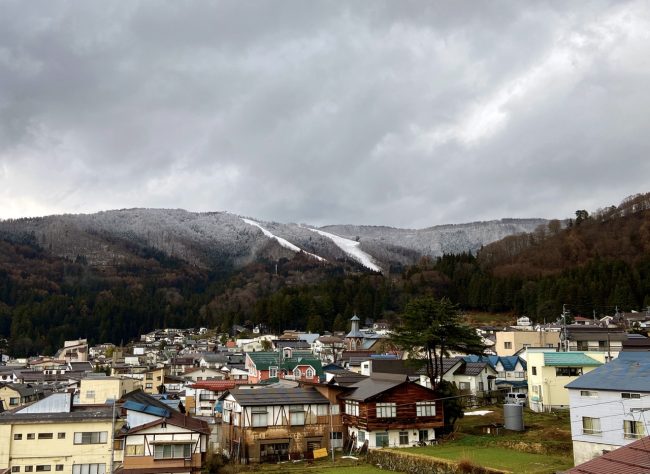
point(391, 411)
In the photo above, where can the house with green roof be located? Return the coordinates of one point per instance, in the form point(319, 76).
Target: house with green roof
point(286, 363)
point(550, 371)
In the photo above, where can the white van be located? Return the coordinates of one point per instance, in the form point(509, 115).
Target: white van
point(518, 398)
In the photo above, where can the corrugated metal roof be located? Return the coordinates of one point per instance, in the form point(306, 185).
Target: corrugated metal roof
point(149, 409)
point(371, 387)
point(631, 459)
point(630, 371)
point(569, 359)
point(277, 396)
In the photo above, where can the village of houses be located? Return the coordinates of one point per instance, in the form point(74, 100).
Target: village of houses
point(165, 403)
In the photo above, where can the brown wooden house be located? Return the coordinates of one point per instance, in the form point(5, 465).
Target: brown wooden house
point(391, 411)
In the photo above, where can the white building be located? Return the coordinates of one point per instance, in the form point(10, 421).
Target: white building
point(610, 406)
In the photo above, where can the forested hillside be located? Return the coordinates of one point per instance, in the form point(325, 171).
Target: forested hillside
point(594, 263)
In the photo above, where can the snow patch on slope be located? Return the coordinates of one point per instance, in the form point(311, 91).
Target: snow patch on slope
point(351, 248)
point(283, 242)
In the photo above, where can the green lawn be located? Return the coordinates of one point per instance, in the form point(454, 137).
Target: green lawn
point(472, 449)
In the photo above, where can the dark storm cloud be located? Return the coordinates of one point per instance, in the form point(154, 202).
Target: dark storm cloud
point(400, 113)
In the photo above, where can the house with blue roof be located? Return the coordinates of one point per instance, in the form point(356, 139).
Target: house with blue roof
point(510, 371)
point(610, 406)
point(550, 371)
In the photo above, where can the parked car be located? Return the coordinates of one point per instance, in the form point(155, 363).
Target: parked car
point(518, 398)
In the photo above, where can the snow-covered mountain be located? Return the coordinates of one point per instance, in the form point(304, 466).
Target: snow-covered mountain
point(219, 238)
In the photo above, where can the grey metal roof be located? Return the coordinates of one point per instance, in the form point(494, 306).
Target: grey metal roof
point(629, 372)
point(277, 396)
point(371, 387)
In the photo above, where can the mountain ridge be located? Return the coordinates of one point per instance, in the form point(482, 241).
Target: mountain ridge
point(218, 238)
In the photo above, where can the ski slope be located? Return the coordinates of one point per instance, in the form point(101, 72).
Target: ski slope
point(283, 242)
point(351, 248)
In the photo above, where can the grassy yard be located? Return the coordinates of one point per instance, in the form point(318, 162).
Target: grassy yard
point(544, 447)
point(496, 457)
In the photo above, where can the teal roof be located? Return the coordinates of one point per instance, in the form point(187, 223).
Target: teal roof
point(569, 359)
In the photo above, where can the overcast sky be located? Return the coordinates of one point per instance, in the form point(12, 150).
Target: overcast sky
point(399, 113)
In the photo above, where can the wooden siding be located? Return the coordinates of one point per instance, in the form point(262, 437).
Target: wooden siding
point(405, 397)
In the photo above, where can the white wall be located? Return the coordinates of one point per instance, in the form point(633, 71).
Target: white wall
point(612, 410)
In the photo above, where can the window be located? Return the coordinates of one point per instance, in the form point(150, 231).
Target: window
point(507, 345)
point(29, 468)
point(273, 372)
point(149, 376)
point(15, 469)
point(30, 436)
point(43, 468)
point(568, 371)
point(534, 370)
point(89, 469)
point(588, 393)
point(386, 410)
point(18, 436)
point(13, 401)
point(135, 449)
point(60, 436)
point(90, 394)
point(90, 437)
point(336, 435)
point(520, 375)
point(362, 437)
point(148, 386)
point(630, 395)
point(45, 436)
point(309, 373)
point(403, 437)
point(335, 409)
point(297, 416)
point(381, 439)
point(481, 386)
point(259, 416)
point(633, 429)
point(352, 408)
point(463, 386)
point(591, 426)
point(297, 373)
point(59, 467)
point(423, 435)
point(425, 408)
point(172, 451)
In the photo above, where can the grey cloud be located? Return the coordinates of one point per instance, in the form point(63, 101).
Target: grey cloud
point(405, 113)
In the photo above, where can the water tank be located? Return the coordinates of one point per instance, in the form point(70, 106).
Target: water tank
point(513, 415)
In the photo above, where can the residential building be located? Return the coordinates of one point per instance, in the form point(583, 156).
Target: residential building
point(274, 424)
point(157, 439)
point(283, 364)
point(549, 372)
point(609, 406)
point(153, 379)
point(595, 339)
point(509, 343)
point(13, 395)
point(510, 371)
point(201, 397)
point(53, 435)
point(76, 350)
point(391, 411)
point(100, 389)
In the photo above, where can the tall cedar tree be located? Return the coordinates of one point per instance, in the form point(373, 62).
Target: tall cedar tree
point(429, 329)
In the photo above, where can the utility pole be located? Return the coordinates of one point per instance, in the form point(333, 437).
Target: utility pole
point(566, 340)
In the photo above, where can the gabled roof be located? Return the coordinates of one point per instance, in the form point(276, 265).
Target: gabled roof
point(509, 363)
point(631, 459)
point(569, 359)
point(276, 396)
point(264, 360)
point(630, 371)
point(371, 387)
